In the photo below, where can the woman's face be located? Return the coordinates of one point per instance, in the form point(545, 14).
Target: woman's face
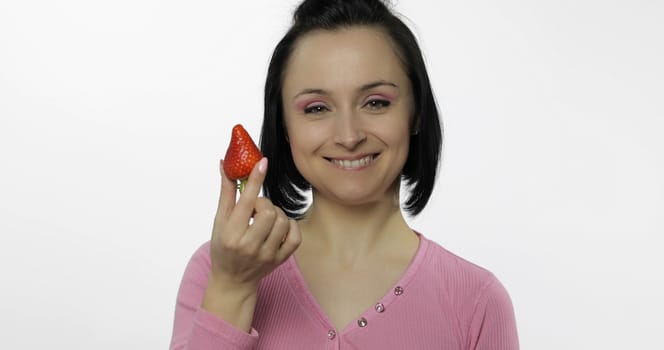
point(348, 108)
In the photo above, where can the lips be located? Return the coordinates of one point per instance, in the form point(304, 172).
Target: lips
point(354, 163)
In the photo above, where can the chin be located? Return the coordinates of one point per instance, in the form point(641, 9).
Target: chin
point(353, 196)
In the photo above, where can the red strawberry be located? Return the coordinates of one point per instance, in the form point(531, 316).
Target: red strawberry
point(241, 156)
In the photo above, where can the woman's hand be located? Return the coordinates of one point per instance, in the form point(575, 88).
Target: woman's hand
point(250, 238)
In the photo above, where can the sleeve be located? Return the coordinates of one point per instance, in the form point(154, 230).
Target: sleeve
point(196, 329)
point(493, 326)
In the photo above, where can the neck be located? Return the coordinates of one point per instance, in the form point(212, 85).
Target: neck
point(348, 232)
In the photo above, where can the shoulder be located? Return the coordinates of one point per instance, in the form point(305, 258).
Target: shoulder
point(480, 303)
point(453, 269)
point(459, 282)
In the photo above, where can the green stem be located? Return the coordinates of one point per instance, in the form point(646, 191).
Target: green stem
point(241, 184)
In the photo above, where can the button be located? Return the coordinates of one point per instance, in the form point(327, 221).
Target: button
point(331, 334)
point(362, 322)
point(379, 307)
point(398, 290)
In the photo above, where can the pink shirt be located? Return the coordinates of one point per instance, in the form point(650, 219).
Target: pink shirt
point(441, 302)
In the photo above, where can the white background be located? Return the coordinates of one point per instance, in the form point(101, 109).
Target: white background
point(113, 116)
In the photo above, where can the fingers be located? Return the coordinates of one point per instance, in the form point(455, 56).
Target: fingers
point(283, 238)
point(291, 242)
point(247, 202)
point(227, 197)
point(280, 229)
point(264, 220)
point(271, 237)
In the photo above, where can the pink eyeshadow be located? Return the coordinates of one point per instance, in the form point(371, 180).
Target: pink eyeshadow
point(302, 104)
point(382, 95)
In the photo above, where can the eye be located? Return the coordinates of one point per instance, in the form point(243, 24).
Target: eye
point(377, 104)
point(315, 109)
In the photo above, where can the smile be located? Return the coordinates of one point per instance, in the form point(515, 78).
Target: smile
point(353, 164)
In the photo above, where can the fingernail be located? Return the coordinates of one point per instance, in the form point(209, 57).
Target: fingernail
point(262, 165)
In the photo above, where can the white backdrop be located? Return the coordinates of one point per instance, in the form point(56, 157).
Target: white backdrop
point(113, 116)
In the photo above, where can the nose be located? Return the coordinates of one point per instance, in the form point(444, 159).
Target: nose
point(348, 132)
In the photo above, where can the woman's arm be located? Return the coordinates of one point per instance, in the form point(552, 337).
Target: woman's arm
point(218, 293)
point(196, 328)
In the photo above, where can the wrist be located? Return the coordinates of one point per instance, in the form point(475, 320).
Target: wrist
point(231, 301)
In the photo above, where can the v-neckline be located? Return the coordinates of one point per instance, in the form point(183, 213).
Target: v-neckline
point(307, 300)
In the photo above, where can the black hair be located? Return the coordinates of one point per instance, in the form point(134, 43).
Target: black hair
point(284, 185)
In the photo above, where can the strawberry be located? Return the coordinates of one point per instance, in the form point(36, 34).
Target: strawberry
point(241, 156)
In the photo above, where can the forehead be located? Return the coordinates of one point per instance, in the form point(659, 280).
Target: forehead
point(343, 58)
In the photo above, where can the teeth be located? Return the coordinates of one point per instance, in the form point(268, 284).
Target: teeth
point(352, 164)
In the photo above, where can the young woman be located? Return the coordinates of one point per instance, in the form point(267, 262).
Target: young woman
point(349, 115)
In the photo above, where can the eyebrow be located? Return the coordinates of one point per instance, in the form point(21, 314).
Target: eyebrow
point(378, 83)
point(364, 87)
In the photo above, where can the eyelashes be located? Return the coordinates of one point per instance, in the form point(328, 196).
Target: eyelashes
point(377, 104)
point(373, 104)
point(315, 109)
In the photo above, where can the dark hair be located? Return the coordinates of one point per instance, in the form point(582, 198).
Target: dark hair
point(284, 184)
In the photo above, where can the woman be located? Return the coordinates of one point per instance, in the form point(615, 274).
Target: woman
point(349, 114)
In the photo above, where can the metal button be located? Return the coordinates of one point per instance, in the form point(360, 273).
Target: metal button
point(398, 290)
point(362, 322)
point(379, 307)
point(331, 334)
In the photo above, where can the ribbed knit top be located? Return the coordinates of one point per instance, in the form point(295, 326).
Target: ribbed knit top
point(441, 302)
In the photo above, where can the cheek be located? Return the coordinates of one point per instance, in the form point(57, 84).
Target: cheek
point(397, 136)
point(396, 131)
point(304, 139)
point(303, 148)
point(305, 132)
